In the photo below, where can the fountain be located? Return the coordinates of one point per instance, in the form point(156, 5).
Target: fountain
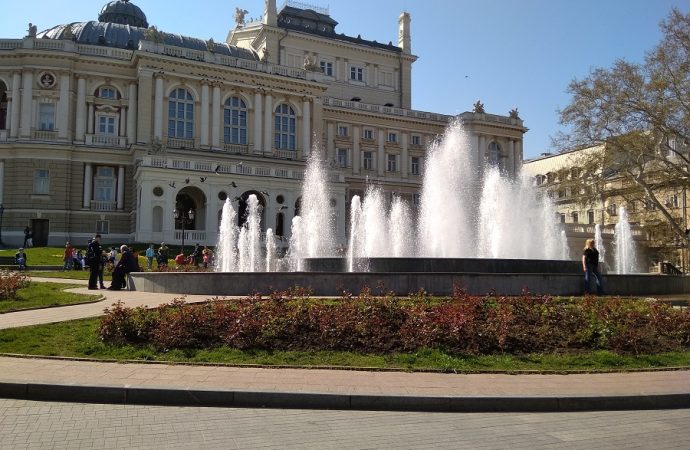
point(485, 234)
point(599, 244)
point(625, 255)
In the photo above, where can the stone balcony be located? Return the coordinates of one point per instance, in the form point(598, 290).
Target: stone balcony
point(99, 140)
point(97, 205)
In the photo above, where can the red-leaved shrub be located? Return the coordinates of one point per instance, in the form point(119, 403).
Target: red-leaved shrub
point(462, 324)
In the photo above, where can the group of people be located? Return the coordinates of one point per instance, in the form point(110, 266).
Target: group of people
point(197, 258)
point(72, 258)
point(98, 258)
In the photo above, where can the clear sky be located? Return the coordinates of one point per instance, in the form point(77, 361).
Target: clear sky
point(506, 53)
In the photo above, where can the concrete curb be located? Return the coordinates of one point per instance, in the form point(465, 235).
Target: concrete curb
point(308, 400)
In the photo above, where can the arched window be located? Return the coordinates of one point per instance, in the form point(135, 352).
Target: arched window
point(494, 154)
point(235, 121)
point(285, 124)
point(181, 114)
point(3, 106)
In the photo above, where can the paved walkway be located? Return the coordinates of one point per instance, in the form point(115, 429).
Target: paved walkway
point(56, 379)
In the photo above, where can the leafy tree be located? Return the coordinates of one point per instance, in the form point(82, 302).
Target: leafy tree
point(639, 115)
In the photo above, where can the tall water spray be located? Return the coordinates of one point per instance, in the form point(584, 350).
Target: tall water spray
point(353, 247)
point(599, 243)
point(565, 251)
point(625, 256)
point(226, 250)
point(317, 222)
point(400, 229)
point(270, 251)
point(446, 223)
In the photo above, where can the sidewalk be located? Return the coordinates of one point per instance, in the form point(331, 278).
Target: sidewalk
point(169, 384)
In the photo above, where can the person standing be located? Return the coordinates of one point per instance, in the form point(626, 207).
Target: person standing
point(27, 232)
point(30, 239)
point(67, 256)
point(149, 257)
point(93, 256)
point(163, 255)
point(590, 266)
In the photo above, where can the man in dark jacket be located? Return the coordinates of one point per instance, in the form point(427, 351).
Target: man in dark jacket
point(125, 265)
point(93, 259)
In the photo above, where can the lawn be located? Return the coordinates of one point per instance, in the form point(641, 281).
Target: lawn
point(69, 274)
point(40, 295)
point(78, 338)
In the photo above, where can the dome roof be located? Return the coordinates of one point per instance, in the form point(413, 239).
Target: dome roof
point(124, 13)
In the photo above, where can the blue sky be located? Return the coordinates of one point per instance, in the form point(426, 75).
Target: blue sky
point(520, 53)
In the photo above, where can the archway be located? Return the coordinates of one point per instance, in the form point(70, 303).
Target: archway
point(191, 198)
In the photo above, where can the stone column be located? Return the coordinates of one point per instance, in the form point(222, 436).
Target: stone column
point(90, 119)
point(215, 118)
point(356, 134)
point(258, 118)
point(80, 125)
point(88, 184)
point(481, 156)
point(123, 122)
point(330, 141)
point(404, 155)
point(381, 154)
point(132, 114)
point(62, 119)
point(2, 181)
point(27, 103)
point(306, 129)
point(16, 100)
point(158, 108)
point(203, 136)
point(144, 94)
point(268, 124)
point(518, 156)
point(511, 159)
point(121, 187)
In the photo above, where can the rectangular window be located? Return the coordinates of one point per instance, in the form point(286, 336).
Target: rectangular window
point(562, 218)
point(46, 116)
point(327, 68)
point(104, 184)
point(416, 139)
point(356, 73)
point(386, 79)
point(107, 92)
point(295, 60)
point(368, 133)
point(367, 161)
point(576, 217)
point(342, 130)
point(102, 226)
point(414, 165)
point(392, 165)
point(392, 137)
point(41, 182)
point(106, 125)
point(590, 217)
point(342, 157)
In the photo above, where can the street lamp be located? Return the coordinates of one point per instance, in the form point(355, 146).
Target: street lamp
point(2, 211)
point(183, 218)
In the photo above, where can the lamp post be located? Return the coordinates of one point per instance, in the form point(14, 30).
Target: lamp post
point(2, 211)
point(183, 217)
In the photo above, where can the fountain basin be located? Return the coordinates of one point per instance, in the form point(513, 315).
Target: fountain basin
point(402, 283)
point(444, 265)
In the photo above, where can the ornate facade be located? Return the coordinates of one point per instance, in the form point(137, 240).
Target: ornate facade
point(110, 126)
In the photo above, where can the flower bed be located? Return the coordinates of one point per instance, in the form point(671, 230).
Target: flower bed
point(10, 283)
point(461, 325)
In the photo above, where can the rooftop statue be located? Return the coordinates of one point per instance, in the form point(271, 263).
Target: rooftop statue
point(32, 30)
point(478, 107)
point(239, 16)
point(514, 114)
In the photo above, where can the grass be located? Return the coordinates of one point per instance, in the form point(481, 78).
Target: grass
point(40, 295)
point(78, 338)
point(52, 256)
